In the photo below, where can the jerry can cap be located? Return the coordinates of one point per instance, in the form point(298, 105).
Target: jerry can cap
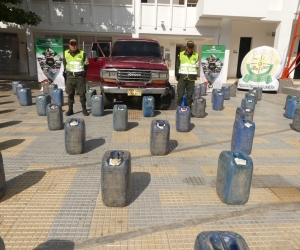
point(240, 161)
point(40, 96)
point(248, 124)
point(114, 162)
point(183, 109)
point(74, 123)
point(53, 106)
point(160, 124)
point(120, 108)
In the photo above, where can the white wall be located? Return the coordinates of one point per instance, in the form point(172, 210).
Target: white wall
point(260, 33)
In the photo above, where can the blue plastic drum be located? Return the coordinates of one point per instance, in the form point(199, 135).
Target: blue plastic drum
point(120, 117)
point(20, 86)
point(226, 92)
point(97, 107)
point(75, 136)
point(288, 97)
point(234, 177)
point(25, 98)
point(296, 120)
point(243, 135)
point(242, 113)
point(88, 96)
point(220, 240)
point(248, 103)
point(259, 93)
point(46, 88)
point(232, 90)
point(197, 92)
point(14, 85)
point(148, 106)
point(183, 119)
point(251, 95)
point(203, 89)
point(212, 94)
point(198, 107)
point(218, 103)
point(55, 117)
point(41, 102)
point(116, 178)
point(291, 106)
point(51, 87)
point(159, 137)
point(57, 97)
point(184, 100)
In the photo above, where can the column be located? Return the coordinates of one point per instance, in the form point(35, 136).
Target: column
point(30, 52)
point(224, 38)
point(283, 37)
point(136, 12)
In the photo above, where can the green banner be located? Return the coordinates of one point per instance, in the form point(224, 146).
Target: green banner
point(212, 61)
point(49, 55)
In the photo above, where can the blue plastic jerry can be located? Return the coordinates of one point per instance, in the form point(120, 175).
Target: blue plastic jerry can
point(184, 100)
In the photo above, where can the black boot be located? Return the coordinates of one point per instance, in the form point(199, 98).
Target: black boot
point(84, 111)
point(70, 111)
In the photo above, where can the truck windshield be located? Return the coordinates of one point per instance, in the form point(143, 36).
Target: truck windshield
point(136, 48)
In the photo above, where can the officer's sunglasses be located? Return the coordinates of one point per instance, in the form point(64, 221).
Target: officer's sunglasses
point(73, 44)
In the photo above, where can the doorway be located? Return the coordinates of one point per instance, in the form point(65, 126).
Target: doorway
point(245, 47)
point(297, 70)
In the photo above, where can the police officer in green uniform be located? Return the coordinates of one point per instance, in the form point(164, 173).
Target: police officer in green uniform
point(187, 65)
point(76, 64)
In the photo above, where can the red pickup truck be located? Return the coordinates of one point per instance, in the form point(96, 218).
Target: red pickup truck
point(133, 68)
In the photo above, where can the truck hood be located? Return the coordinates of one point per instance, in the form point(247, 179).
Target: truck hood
point(136, 62)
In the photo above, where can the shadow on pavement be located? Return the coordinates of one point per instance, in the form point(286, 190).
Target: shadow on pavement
point(2, 96)
point(10, 143)
point(172, 145)
point(10, 123)
point(1, 103)
point(56, 245)
point(22, 182)
point(93, 144)
point(7, 111)
point(139, 182)
point(132, 125)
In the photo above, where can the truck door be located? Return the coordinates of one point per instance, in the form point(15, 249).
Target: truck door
point(98, 53)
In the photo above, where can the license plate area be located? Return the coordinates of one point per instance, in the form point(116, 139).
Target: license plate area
point(134, 92)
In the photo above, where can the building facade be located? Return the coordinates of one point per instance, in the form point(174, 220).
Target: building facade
point(240, 25)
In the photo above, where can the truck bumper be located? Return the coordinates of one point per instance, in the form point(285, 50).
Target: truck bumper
point(145, 91)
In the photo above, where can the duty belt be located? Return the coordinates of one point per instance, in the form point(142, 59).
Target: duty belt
point(70, 73)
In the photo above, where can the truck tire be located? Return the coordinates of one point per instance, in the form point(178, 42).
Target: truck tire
point(108, 101)
point(164, 102)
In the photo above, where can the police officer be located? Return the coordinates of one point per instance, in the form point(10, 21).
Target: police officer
point(76, 64)
point(187, 65)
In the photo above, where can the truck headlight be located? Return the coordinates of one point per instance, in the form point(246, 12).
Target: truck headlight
point(108, 73)
point(154, 75)
point(163, 75)
point(159, 75)
point(105, 73)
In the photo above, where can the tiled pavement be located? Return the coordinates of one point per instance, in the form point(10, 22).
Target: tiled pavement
point(53, 199)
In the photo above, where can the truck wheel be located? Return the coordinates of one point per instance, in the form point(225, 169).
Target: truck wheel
point(108, 101)
point(164, 102)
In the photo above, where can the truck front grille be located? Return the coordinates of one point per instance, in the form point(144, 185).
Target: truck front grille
point(134, 75)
